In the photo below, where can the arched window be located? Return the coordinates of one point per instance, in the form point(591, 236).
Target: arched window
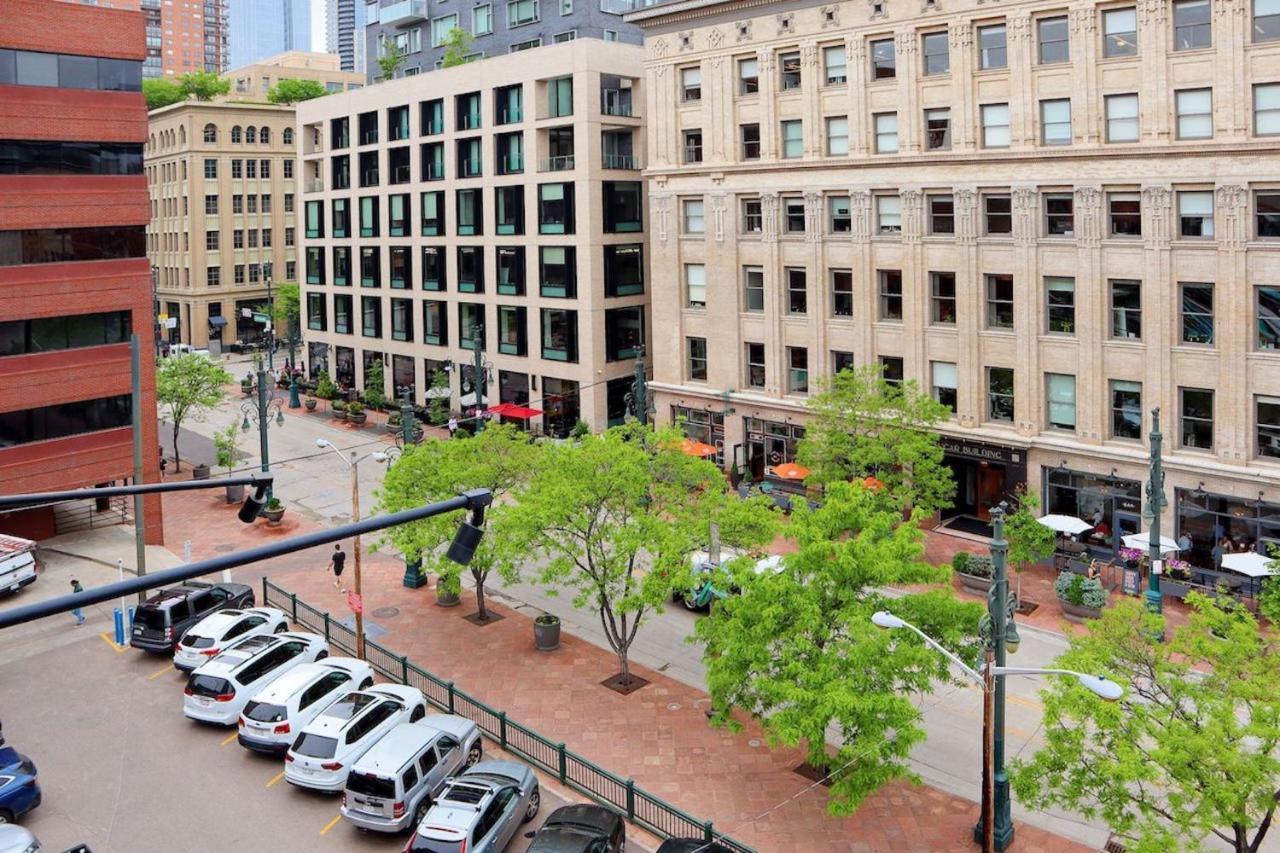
point(151, 142)
point(182, 134)
point(210, 133)
point(264, 136)
point(287, 136)
point(250, 134)
point(235, 133)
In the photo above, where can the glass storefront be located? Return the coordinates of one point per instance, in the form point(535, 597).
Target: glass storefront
point(513, 388)
point(1206, 518)
point(985, 475)
point(560, 406)
point(402, 377)
point(702, 425)
point(770, 443)
point(317, 359)
point(1111, 504)
point(344, 369)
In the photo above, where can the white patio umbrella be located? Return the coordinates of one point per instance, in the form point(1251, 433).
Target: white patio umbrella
point(1250, 563)
point(1142, 541)
point(1065, 523)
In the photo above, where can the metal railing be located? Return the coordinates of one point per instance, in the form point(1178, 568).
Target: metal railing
point(621, 161)
point(562, 163)
point(640, 807)
point(315, 185)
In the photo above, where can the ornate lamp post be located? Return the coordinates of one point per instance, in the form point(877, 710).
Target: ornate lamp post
point(479, 375)
point(1156, 502)
point(271, 319)
point(261, 411)
point(638, 402)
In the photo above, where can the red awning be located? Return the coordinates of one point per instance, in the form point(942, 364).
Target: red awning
point(511, 410)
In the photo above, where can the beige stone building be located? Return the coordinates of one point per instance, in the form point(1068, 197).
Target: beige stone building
point(1057, 216)
point(253, 82)
point(496, 204)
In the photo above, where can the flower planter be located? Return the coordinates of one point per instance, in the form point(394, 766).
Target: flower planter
point(246, 389)
point(235, 494)
point(446, 597)
point(273, 516)
point(1078, 613)
point(200, 472)
point(393, 428)
point(338, 414)
point(975, 584)
point(358, 418)
point(546, 632)
point(310, 403)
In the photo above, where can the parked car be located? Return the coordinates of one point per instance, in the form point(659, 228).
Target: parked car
point(692, 845)
point(272, 718)
point(581, 828)
point(19, 785)
point(16, 839)
point(479, 811)
point(208, 637)
point(714, 581)
point(218, 691)
point(329, 745)
point(17, 563)
point(391, 786)
point(166, 616)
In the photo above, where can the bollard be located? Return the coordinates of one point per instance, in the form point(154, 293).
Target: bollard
point(129, 624)
point(118, 616)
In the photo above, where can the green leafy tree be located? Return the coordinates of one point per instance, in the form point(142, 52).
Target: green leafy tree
point(501, 459)
point(1188, 753)
point(1029, 540)
point(160, 92)
point(287, 309)
point(617, 517)
point(203, 85)
point(225, 442)
point(188, 386)
point(391, 60)
point(439, 406)
point(798, 651)
point(375, 394)
point(1269, 598)
point(291, 90)
point(862, 426)
point(457, 44)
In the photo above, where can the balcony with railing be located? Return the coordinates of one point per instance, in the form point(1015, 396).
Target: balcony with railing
point(313, 176)
point(560, 163)
point(403, 13)
point(621, 161)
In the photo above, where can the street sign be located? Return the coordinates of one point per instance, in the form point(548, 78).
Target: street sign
point(170, 322)
point(259, 318)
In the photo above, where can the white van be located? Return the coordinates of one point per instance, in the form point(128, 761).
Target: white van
point(17, 563)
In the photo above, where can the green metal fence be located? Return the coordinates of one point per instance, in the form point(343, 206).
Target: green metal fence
point(641, 807)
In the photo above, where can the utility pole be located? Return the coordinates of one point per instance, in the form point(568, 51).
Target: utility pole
point(139, 519)
point(997, 631)
point(1156, 502)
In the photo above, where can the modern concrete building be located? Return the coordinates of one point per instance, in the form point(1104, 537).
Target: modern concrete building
point(418, 27)
point(262, 28)
point(74, 282)
point(345, 21)
point(254, 82)
point(1055, 217)
point(497, 206)
point(184, 36)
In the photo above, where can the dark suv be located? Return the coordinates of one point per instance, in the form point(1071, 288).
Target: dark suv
point(161, 621)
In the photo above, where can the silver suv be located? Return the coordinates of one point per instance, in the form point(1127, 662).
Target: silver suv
point(479, 811)
point(392, 785)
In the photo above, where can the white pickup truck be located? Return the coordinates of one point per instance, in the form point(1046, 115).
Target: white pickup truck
point(17, 563)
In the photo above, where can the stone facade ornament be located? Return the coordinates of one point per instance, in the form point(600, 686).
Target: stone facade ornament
point(966, 204)
point(1156, 202)
point(830, 16)
point(715, 38)
point(961, 36)
point(1152, 13)
point(661, 204)
point(1084, 21)
point(786, 23)
point(860, 212)
point(912, 215)
point(1232, 201)
point(1088, 219)
point(744, 30)
point(769, 217)
point(686, 40)
point(1026, 214)
point(1019, 28)
point(906, 44)
point(660, 47)
point(814, 214)
point(718, 206)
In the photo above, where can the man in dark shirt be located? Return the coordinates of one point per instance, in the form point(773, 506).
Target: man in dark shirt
point(338, 563)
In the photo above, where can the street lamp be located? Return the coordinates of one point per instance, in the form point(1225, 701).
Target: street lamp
point(354, 464)
point(479, 375)
point(999, 635)
point(1156, 502)
point(637, 399)
point(261, 411)
point(271, 319)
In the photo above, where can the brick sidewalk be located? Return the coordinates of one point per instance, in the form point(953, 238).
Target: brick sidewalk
point(659, 736)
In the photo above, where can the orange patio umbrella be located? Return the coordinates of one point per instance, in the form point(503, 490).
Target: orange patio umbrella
point(873, 484)
point(790, 471)
point(697, 448)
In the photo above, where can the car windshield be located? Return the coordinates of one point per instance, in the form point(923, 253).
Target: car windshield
point(208, 685)
point(350, 705)
point(315, 746)
point(371, 786)
point(150, 617)
point(418, 844)
point(193, 642)
point(264, 712)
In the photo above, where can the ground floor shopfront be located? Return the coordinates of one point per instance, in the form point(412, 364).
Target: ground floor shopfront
point(216, 322)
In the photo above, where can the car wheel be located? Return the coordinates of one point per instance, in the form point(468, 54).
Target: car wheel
point(366, 684)
point(535, 802)
point(420, 813)
point(6, 817)
point(474, 754)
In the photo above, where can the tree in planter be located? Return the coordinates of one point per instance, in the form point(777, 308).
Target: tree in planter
point(438, 410)
point(325, 389)
point(977, 565)
point(457, 45)
point(187, 386)
point(375, 395)
point(225, 442)
point(797, 649)
point(1080, 590)
point(1029, 540)
point(160, 92)
point(203, 85)
point(1189, 752)
point(391, 60)
point(617, 517)
point(501, 459)
point(863, 426)
point(292, 90)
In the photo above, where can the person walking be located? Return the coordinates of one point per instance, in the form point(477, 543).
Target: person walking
point(78, 613)
point(338, 563)
point(453, 426)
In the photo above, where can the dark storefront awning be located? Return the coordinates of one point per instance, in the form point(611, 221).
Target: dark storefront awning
point(218, 321)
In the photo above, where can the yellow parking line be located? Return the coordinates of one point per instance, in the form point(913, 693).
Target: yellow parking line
point(276, 778)
point(229, 738)
point(153, 676)
point(330, 825)
point(106, 638)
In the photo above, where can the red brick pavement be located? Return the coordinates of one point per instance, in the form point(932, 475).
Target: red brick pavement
point(658, 736)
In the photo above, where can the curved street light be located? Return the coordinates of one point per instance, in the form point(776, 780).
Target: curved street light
point(266, 406)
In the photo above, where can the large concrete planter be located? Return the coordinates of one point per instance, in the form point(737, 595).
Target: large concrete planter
point(975, 584)
point(546, 632)
point(1078, 613)
point(235, 494)
point(200, 472)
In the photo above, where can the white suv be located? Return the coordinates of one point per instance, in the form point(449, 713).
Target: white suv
point(218, 690)
point(207, 638)
point(326, 748)
point(276, 714)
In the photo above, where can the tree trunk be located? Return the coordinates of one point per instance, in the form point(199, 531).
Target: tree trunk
point(177, 462)
point(481, 613)
point(626, 668)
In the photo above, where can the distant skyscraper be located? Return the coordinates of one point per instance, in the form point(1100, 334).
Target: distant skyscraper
point(262, 28)
point(345, 36)
point(183, 36)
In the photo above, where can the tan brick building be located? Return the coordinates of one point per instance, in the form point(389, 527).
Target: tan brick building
point(1056, 216)
point(253, 82)
point(496, 204)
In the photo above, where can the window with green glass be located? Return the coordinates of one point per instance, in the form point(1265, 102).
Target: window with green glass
point(398, 215)
point(470, 269)
point(433, 161)
point(560, 97)
point(433, 268)
point(342, 314)
point(317, 318)
point(468, 110)
point(371, 316)
point(342, 266)
point(315, 265)
point(433, 214)
point(511, 270)
point(623, 332)
point(555, 209)
point(402, 319)
point(559, 334)
point(370, 267)
point(369, 216)
point(557, 271)
point(469, 158)
point(401, 267)
point(624, 269)
point(623, 208)
point(509, 104)
point(470, 212)
point(435, 322)
point(315, 219)
point(510, 153)
point(470, 325)
point(512, 337)
point(341, 218)
point(509, 210)
point(432, 117)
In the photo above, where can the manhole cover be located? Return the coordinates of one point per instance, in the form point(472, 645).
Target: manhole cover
point(224, 549)
point(674, 706)
point(386, 612)
point(755, 743)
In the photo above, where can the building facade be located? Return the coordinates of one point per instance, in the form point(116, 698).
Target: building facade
point(184, 36)
point(418, 28)
point(345, 21)
point(1056, 217)
point(262, 28)
point(497, 208)
point(254, 82)
point(74, 282)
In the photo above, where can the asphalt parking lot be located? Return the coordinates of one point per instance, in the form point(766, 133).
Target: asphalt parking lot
point(124, 771)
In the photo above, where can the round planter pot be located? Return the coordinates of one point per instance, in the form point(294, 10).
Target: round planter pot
point(546, 636)
point(235, 494)
point(392, 428)
point(338, 415)
point(446, 599)
point(358, 420)
point(1077, 613)
point(273, 516)
point(200, 472)
point(310, 403)
point(974, 584)
point(247, 389)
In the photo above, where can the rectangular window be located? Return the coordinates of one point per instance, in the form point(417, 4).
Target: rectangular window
point(793, 213)
point(694, 218)
point(441, 27)
point(1122, 118)
point(993, 50)
point(1267, 305)
point(792, 139)
point(1120, 32)
point(508, 214)
point(837, 136)
point(432, 214)
point(753, 289)
point(695, 285)
point(469, 158)
point(560, 97)
point(748, 76)
point(937, 129)
point(21, 337)
point(315, 220)
point(341, 266)
point(797, 291)
point(998, 214)
point(839, 214)
point(789, 70)
point(884, 60)
point(1060, 301)
point(889, 214)
point(509, 153)
point(623, 269)
point(752, 216)
point(341, 218)
point(237, 168)
point(841, 361)
point(936, 53)
point(691, 84)
point(1197, 313)
point(1267, 411)
point(557, 271)
point(1126, 409)
point(797, 370)
point(402, 319)
point(942, 214)
point(370, 267)
point(1060, 390)
point(555, 209)
point(471, 326)
point(470, 269)
point(886, 130)
point(623, 207)
point(999, 301)
point(433, 264)
point(834, 64)
point(1126, 309)
point(1266, 205)
point(1192, 25)
point(371, 316)
point(508, 104)
point(891, 370)
point(1059, 215)
point(211, 169)
point(1195, 113)
point(1196, 406)
point(1000, 394)
point(397, 215)
point(470, 213)
point(317, 318)
point(521, 12)
point(512, 338)
point(943, 380)
point(995, 125)
point(750, 134)
point(211, 240)
point(1266, 20)
point(1052, 36)
point(1195, 214)
point(211, 204)
point(342, 314)
point(942, 298)
point(1055, 122)
point(841, 293)
point(890, 294)
point(1124, 213)
point(756, 373)
point(623, 332)
point(369, 226)
point(482, 20)
point(1266, 105)
point(511, 271)
point(696, 365)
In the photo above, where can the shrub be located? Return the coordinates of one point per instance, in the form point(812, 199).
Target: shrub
point(580, 429)
point(374, 380)
point(339, 406)
point(325, 389)
point(354, 408)
point(979, 566)
point(960, 562)
point(547, 619)
point(274, 504)
point(1080, 591)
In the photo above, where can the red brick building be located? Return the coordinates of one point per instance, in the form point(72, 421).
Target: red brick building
point(74, 276)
